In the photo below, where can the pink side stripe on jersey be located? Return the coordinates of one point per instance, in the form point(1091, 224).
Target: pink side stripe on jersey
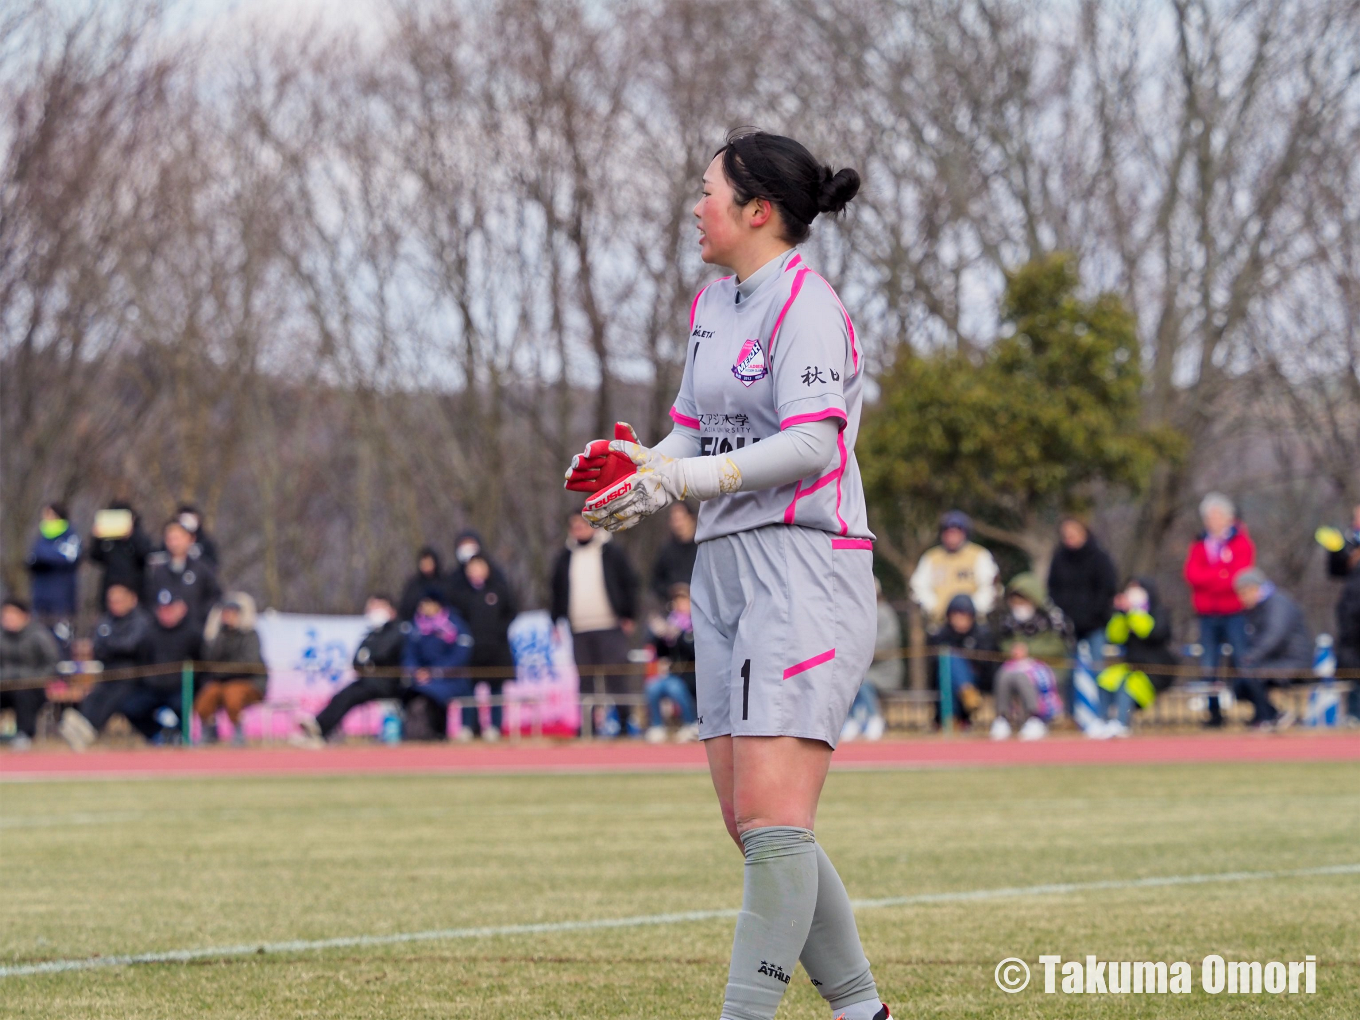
point(840, 472)
point(684, 419)
point(808, 664)
point(793, 293)
point(830, 412)
point(852, 543)
point(799, 492)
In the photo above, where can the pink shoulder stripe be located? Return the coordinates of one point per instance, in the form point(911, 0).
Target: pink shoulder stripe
point(849, 326)
point(830, 412)
point(793, 262)
point(798, 279)
point(808, 664)
point(852, 543)
point(694, 305)
point(684, 419)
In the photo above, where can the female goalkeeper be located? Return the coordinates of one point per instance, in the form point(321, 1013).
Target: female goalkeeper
point(783, 591)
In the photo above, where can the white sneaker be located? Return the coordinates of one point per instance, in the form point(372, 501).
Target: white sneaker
point(1001, 728)
point(873, 729)
point(687, 734)
point(305, 741)
point(1034, 729)
point(309, 725)
point(850, 731)
point(1115, 728)
point(491, 734)
point(655, 735)
point(464, 735)
point(21, 742)
point(1098, 729)
point(76, 730)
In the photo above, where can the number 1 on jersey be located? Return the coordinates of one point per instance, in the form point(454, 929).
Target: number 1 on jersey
point(745, 688)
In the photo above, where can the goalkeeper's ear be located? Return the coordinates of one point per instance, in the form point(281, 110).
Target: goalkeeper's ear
point(624, 431)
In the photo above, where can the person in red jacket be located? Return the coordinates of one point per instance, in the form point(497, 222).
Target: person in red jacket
point(1222, 551)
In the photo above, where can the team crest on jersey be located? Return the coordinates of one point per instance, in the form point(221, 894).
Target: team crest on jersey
point(750, 367)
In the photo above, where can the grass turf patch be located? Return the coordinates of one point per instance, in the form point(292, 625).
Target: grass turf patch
point(156, 865)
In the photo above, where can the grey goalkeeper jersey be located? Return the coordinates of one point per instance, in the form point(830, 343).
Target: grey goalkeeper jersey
point(776, 351)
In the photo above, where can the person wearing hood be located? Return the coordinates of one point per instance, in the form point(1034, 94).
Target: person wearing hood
point(121, 547)
point(231, 639)
point(1035, 638)
point(437, 644)
point(967, 643)
point(429, 573)
point(486, 601)
point(376, 663)
point(122, 641)
point(594, 588)
point(28, 652)
point(1221, 552)
point(1141, 627)
point(957, 566)
point(1279, 644)
point(52, 562)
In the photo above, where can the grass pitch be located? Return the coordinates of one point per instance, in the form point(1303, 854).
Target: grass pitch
point(113, 868)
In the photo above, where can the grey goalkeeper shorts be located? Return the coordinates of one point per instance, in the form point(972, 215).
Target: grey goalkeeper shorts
point(784, 627)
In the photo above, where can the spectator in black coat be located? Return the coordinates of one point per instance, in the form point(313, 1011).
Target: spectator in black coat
point(594, 588)
point(122, 641)
point(487, 602)
point(377, 664)
point(119, 544)
point(28, 652)
point(1278, 641)
point(176, 638)
point(203, 548)
point(428, 573)
point(176, 573)
point(231, 637)
point(1082, 582)
point(969, 676)
point(1345, 563)
point(675, 562)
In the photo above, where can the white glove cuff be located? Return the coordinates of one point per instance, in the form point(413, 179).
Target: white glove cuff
point(706, 477)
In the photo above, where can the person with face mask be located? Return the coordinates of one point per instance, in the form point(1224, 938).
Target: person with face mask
point(1035, 637)
point(1141, 627)
point(377, 662)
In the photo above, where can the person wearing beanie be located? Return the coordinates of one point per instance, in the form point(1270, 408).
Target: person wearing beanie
point(1278, 643)
point(960, 634)
point(957, 566)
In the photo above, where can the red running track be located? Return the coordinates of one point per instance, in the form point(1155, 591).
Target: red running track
point(576, 756)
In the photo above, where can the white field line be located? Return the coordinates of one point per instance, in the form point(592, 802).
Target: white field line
point(645, 921)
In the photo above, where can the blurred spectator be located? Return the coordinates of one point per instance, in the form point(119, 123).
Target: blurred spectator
point(176, 638)
point(376, 663)
point(119, 544)
point(122, 641)
point(969, 677)
point(865, 718)
point(594, 588)
point(954, 567)
point(1082, 582)
point(175, 574)
point(203, 547)
point(28, 652)
point(438, 641)
point(1345, 562)
point(428, 574)
point(1141, 626)
point(1222, 551)
point(675, 562)
point(1031, 631)
point(230, 637)
point(673, 638)
point(52, 561)
point(466, 544)
point(486, 601)
point(1278, 639)
point(1344, 558)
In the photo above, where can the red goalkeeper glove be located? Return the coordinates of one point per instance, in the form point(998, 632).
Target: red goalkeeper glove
point(598, 466)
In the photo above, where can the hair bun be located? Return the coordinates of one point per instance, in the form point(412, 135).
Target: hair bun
point(837, 189)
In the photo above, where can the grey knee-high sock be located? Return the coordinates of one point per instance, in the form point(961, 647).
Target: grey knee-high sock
point(832, 955)
point(778, 897)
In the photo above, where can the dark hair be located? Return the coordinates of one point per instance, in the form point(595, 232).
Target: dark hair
point(17, 603)
point(782, 171)
point(59, 509)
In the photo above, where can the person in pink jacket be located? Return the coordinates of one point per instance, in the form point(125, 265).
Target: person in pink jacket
point(1221, 552)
